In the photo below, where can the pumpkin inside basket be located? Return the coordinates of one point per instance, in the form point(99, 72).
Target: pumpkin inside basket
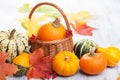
point(54, 46)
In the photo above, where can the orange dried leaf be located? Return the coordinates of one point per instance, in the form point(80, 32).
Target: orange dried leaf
point(82, 28)
point(3, 57)
point(36, 56)
point(6, 69)
point(40, 65)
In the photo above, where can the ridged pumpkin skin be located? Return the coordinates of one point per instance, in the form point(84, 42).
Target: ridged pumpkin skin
point(112, 55)
point(50, 32)
point(13, 42)
point(65, 63)
point(93, 64)
point(83, 46)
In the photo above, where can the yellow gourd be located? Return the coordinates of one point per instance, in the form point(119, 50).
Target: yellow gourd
point(22, 59)
point(65, 63)
point(112, 54)
point(115, 49)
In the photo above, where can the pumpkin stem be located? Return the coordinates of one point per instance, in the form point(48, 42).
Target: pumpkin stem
point(66, 58)
point(56, 23)
point(12, 33)
point(92, 51)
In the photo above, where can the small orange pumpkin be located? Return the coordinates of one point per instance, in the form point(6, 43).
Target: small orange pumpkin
point(93, 63)
point(65, 63)
point(51, 31)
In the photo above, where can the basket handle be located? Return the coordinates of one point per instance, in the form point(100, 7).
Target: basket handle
point(53, 5)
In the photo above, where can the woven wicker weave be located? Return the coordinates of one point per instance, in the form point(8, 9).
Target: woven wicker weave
point(52, 47)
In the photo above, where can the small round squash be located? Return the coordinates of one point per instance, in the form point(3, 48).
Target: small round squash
point(83, 46)
point(93, 63)
point(51, 31)
point(112, 55)
point(22, 61)
point(65, 63)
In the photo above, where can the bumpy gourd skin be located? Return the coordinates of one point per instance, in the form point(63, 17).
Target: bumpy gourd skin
point(13, 43)
point(65, 63)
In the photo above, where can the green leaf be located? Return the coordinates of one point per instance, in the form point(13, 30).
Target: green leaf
point(25, 8)
point(45, 9)
point(49, 11)
point(24, 25)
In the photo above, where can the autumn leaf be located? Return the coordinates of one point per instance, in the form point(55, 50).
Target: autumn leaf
point(36, 56)
point(6, 69)
point(79, 16)
point(41, 65)
point(82, 28)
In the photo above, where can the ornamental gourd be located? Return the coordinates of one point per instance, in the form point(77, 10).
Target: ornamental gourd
point(112, 54)
point(13, 42)
point(93, 63)
point(65, 63)
point(51, 31)
point(22, 61)
point(83, 46)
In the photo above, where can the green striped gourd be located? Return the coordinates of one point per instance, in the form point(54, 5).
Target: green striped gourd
point(83, 46)
point(13, 43)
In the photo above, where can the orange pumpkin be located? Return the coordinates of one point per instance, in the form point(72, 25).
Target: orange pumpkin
point(51, 31)
point(93, 63)
point(65, 63)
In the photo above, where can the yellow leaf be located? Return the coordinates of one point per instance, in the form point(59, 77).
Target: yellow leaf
point(80, 16)
point(32, 26)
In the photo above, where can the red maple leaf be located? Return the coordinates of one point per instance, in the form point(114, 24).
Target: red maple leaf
point(36, 56)
point(6, 69)
point(82, 28)
point(41, 65)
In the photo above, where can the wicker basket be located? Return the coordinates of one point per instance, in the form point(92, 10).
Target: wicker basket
point(52, 47)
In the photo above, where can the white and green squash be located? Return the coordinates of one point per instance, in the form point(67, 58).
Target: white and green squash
point(83, 46)
point(13, 43)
